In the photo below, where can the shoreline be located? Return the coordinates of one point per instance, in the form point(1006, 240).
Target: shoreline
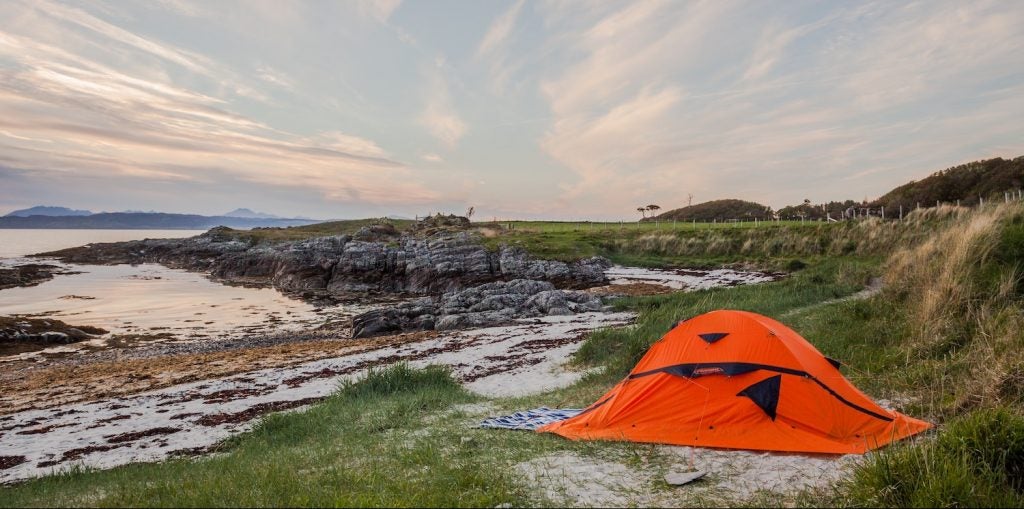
point(105, 429)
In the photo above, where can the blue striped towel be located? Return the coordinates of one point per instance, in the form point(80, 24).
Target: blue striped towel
point(530, 419)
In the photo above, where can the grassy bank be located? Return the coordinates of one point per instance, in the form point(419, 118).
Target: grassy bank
point(353, 449)
point(952, 321)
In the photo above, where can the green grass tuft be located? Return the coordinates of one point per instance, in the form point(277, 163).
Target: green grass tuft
point(977, 461)
point(397, 379)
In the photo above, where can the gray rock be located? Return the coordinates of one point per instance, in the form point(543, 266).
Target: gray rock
point(681, 478)
point(78, 334)
point(373, 261)
point(55, 337)
point(486, 305)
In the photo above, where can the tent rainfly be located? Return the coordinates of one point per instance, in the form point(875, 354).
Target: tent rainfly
point(739, 380)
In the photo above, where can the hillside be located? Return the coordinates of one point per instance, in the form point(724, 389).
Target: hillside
point(717, 210)
point(143, 221)
point(988, 178)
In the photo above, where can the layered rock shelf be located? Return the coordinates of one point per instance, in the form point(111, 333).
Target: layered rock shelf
point(343, 265)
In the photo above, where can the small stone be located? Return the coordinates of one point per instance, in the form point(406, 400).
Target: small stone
point(77, 334)
point(681, 478)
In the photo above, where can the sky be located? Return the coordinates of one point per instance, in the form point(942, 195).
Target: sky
point(524, 110)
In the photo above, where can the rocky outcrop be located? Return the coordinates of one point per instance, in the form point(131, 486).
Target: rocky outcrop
point(383, 262)
point(27, 275)
point(486, 305)
point(16, 329)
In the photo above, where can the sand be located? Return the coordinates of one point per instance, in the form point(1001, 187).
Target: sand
point(188, 418)
point(688, 279)
point(569, 479)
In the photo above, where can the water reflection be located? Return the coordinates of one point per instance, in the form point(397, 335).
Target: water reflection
point(153, 299)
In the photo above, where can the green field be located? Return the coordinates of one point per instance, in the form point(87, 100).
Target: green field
point(293, 233)
point(622, 226)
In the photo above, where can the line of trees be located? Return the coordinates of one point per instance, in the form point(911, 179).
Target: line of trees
point(649, 208)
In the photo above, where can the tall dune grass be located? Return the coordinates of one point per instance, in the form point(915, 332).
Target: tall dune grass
point(960, 291)
point(868, 237)
point(953, 307)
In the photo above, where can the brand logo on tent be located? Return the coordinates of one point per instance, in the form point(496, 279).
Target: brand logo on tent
point(708, 371)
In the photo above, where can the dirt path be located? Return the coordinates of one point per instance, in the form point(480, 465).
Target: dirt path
point(873, 288)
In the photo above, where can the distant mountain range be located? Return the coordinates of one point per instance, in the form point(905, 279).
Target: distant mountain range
point(47, 210)
point(251, 214)
point(43, 210)
point(44, 217)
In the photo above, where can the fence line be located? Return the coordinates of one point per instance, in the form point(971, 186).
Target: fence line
point(851, 213)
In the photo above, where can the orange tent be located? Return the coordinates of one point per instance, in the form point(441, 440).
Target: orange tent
point(739, 380)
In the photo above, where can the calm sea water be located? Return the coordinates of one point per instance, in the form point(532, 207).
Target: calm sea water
point(17, 243)
point(148, 298)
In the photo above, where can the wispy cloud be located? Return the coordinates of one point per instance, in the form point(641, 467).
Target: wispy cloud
point(439, 115)
point(274, 77)
point(379, 10)
point(114, 34)
point(495, 53)
point(500, 29)
point(63, 109)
